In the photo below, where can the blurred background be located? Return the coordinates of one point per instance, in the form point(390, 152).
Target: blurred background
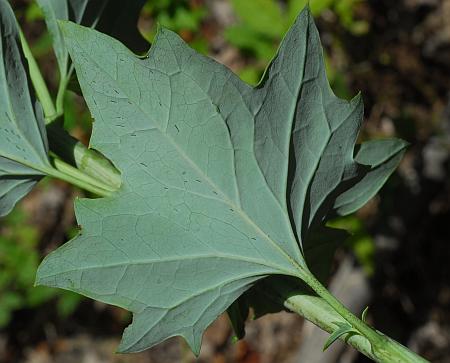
point(397, 53)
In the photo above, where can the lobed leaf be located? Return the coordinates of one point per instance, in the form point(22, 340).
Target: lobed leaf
point(23, 141)
point(381, 158)
point(223, 184)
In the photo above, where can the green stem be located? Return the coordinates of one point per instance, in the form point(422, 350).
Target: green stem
point(39, 84)
point(383, 349)
point(88, 161)
point(320, 313)
point(356, 323)
point(66, 172)
point(62, 90)
point(68, 169)
point(60, 96)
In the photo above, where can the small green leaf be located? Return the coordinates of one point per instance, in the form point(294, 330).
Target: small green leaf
point(364, 314)
point(342, 330)
point(23, 141)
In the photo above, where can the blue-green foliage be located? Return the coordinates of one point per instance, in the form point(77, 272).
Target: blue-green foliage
point(210, 200)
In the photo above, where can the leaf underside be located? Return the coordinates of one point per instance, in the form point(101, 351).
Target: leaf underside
point(23, 141)
point(222, 183)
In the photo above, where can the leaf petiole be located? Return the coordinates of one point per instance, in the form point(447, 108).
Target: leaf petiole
point(67, 177)
point(64, 81)
point(86, 160)
point(67, 172)
point(39, 84)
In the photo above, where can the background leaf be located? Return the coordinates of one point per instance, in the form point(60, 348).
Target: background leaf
point(115, 17)
point(267, 20)
point(23, 142)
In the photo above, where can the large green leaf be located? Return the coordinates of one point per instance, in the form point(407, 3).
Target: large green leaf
point(222, 182)
point(115, 17)
point(23, 142)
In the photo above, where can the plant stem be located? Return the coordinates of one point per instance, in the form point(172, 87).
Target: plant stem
point(62, 91)
point(317, 311)
point(39, 84)
point(382, 348)
point(88, 161)
point(65, 168)
point(60, 96)
point(66, 172)
point(356, 323)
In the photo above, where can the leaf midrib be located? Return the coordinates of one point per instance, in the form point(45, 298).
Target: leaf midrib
point(180, 258)
point(12, 115)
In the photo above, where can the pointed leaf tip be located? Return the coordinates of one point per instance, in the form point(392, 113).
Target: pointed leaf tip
point(342, 330)
point(364, 314)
